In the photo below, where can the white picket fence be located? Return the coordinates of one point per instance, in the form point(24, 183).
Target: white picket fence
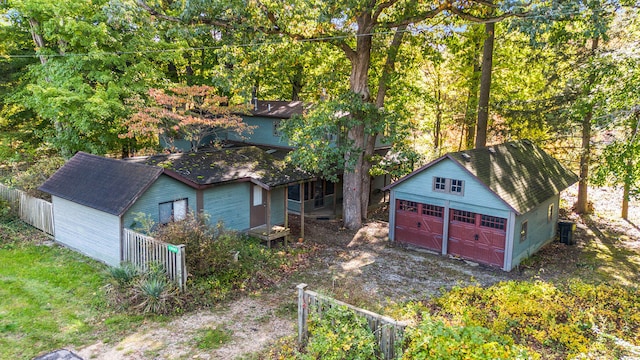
point(387, 331)
point(141, 251)
point(35, 212)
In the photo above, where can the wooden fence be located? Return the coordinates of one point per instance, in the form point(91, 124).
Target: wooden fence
point(141, 250)
point(35, 212)
point(388, 332)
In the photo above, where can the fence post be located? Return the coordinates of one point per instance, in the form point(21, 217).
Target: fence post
point(303, 312)
point(181, 267)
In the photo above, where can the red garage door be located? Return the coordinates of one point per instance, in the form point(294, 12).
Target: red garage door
point(419, 224)
point(477, 237)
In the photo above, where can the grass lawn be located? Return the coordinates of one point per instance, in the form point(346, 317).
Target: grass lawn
point(50, 297)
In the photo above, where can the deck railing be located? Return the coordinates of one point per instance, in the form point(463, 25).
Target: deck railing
point(142, 251)
point(388, 332)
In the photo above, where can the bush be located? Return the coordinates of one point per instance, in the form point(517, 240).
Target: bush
point(339, 334)
point(222, 262)
point(556, 321)
point(30, 179)
point(435, 340)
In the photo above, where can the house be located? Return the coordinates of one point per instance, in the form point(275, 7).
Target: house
point(495, 205)
point(95, 198)
point(319, 197)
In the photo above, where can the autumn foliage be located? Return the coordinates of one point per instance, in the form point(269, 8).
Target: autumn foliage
point(191, 113)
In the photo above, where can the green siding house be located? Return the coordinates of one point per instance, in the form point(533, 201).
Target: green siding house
point(95, 198)
point(495, 205)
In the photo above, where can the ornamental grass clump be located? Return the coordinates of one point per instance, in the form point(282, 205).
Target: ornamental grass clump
point(143, 292)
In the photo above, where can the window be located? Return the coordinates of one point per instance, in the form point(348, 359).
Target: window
point(276, 128)
point(493, 222)
point(456, 186)
point(172, 211)
point(432, 210)
point(409, 206)
point(329, 188)
point(464, 216)
point(550, 213)
point(449, 186)
point(257, 195)
point(294, 192)
point(523, 231)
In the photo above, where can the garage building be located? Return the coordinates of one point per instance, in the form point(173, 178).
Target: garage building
point(495, 205)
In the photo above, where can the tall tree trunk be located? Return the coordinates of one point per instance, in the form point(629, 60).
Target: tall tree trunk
point(582, 206)
point(470, 115)
point(628, 179)
point(296, 83)
point(370, 143)
point(485, 86)
point(359, 83)
point(437, 126)
point(37, 38)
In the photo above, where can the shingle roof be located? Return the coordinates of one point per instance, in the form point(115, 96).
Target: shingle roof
point(101, 183)
point(204, 168)
point(519, 172)
point(277, 109)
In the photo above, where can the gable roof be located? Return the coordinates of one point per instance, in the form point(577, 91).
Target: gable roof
point(276, 109)
point(101, 183)
point(215, 166)
point(520, 173)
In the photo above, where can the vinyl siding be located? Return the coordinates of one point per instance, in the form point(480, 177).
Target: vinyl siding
point(229, 204)
point(87, 230)
point(540, 230)
point(164, 189)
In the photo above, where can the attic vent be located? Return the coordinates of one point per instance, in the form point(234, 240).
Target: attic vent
point(492, 150)
point(268, 107)
point(271, 151)
point(466, 156)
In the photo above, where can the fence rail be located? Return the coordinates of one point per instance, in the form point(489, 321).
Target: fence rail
point(35, 212)
point(388, 332)
point(141, 251)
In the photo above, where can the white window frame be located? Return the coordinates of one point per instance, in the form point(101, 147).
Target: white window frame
point(437, 184)
point(276, 128)
point(448, 185)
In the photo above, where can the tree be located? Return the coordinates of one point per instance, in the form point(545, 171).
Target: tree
point(193, 113)
point(93, 55)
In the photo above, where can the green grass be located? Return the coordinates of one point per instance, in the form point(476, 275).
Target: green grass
point(50, 297)
point(211, 339)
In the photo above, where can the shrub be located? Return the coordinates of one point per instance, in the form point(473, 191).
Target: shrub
point(434, 340)
point(339, 334)
point(30, 179)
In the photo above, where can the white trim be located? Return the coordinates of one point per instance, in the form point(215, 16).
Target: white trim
point(392, 216)
point(445, 228)
point(508, 248)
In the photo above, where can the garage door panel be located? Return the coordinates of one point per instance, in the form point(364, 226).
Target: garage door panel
point(477, 237)
point(419, 224)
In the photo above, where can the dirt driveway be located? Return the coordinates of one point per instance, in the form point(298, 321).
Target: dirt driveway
point(363, 268)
